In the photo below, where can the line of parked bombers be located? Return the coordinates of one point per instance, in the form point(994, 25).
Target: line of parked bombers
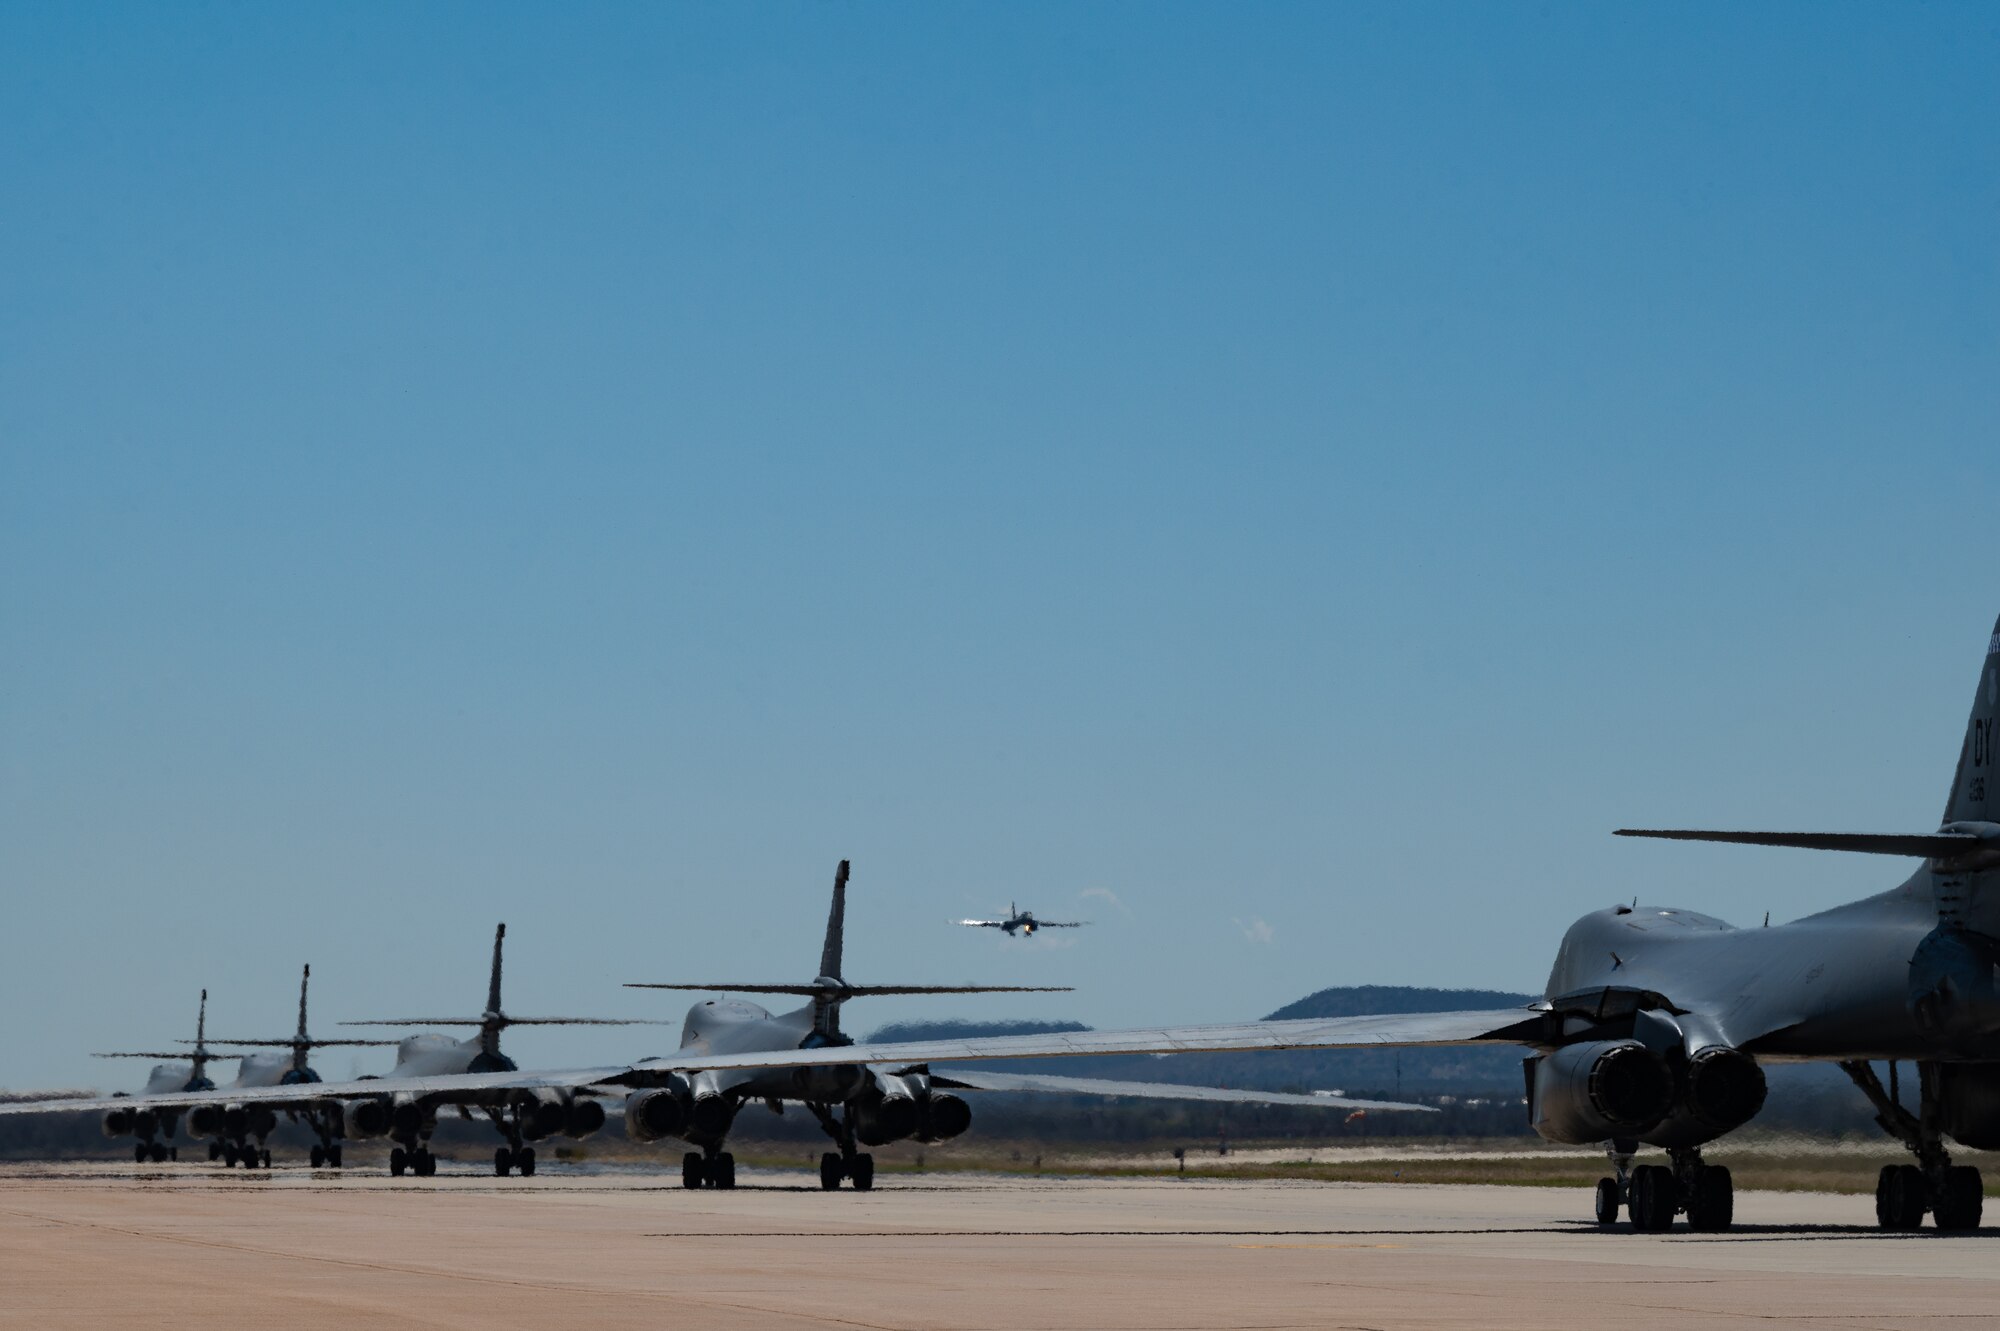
point(238, 1134)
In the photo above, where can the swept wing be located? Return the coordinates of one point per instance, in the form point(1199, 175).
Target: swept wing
point(1406, 1030)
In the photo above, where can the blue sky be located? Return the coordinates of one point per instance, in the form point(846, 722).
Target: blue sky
point(1306, 471)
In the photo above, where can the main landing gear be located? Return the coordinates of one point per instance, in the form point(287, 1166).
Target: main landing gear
point(233, 1153)
point(152, 1152)
point(856, 1166)
point(414, 1157)
point(327, 1125)
point(1653, 1194)
point(713, 1168)
point(1953, 1195)
point(515, 1155)
point(509, 1158)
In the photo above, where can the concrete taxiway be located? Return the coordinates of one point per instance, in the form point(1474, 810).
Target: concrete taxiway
point(93, 1245)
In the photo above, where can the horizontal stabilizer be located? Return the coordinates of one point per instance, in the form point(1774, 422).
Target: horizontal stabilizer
point(501, 1021)
point(311, 1044)
point(1921, 845)
point(861, 990)
point(983, 1080)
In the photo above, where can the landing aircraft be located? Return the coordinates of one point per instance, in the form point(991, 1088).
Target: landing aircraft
point(1650, 1030)
point(230, 1127)
point(1021, 921)
point(519, 1115)
point(856, 1105)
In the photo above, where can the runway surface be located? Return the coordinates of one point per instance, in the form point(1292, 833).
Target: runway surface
point(105, 1246)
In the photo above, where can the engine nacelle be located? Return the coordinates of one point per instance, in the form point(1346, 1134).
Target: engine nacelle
point(368, 1118)
point(1591, 1092)
point(651, 1115)
point(1971, 1101)
point(205, 1121)
point(582, 1117)
point(711, 1115)
point(116, 1122)
point(542, 1118)
point(407, 1118)
point(887, 1116)
point(241, 1121)
point(944, 1117)
point(1721, 1090)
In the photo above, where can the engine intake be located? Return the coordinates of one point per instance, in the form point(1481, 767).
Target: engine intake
point(1601, 1089)
point(205, 1121)
point(116, 1122)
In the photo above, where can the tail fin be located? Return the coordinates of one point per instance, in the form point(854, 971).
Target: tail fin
point(493, 984)
point(304, 980)
point(836, 926)
point(1972, 798)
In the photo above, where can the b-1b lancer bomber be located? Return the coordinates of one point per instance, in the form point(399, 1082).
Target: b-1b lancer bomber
point(1022, 922)
point(521, 1116)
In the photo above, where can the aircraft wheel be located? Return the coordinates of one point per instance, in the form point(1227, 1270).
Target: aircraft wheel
point(1902, 1195)
point(1654, 1199)
point(229, 1155)
point(503, 1162)
point(317, 1156)
point(174, 1154)
point(693, 1170)
point(1607, 1201)
point(864, 1172)
point(1960, 1199)
point(525, 1162)
point(722, 1171)
point(399, 1160)
point(264, 1158)
point(333, 1155)
point(830, 1171)
point(427, 1164)
point(1711, 1203)
point(139, 1153)
point(214, 1152)
point(159, 1154)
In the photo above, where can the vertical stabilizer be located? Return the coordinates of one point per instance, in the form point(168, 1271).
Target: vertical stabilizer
point(1973, 799)
point(836, 925)
point(489, 1030)
point(301, 1043)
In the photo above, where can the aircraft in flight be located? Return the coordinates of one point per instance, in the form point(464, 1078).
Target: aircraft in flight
point(520, 1116)
point(1650, 1030)
point(230, 1127)
point(856, 1105)
point(1018, 921)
